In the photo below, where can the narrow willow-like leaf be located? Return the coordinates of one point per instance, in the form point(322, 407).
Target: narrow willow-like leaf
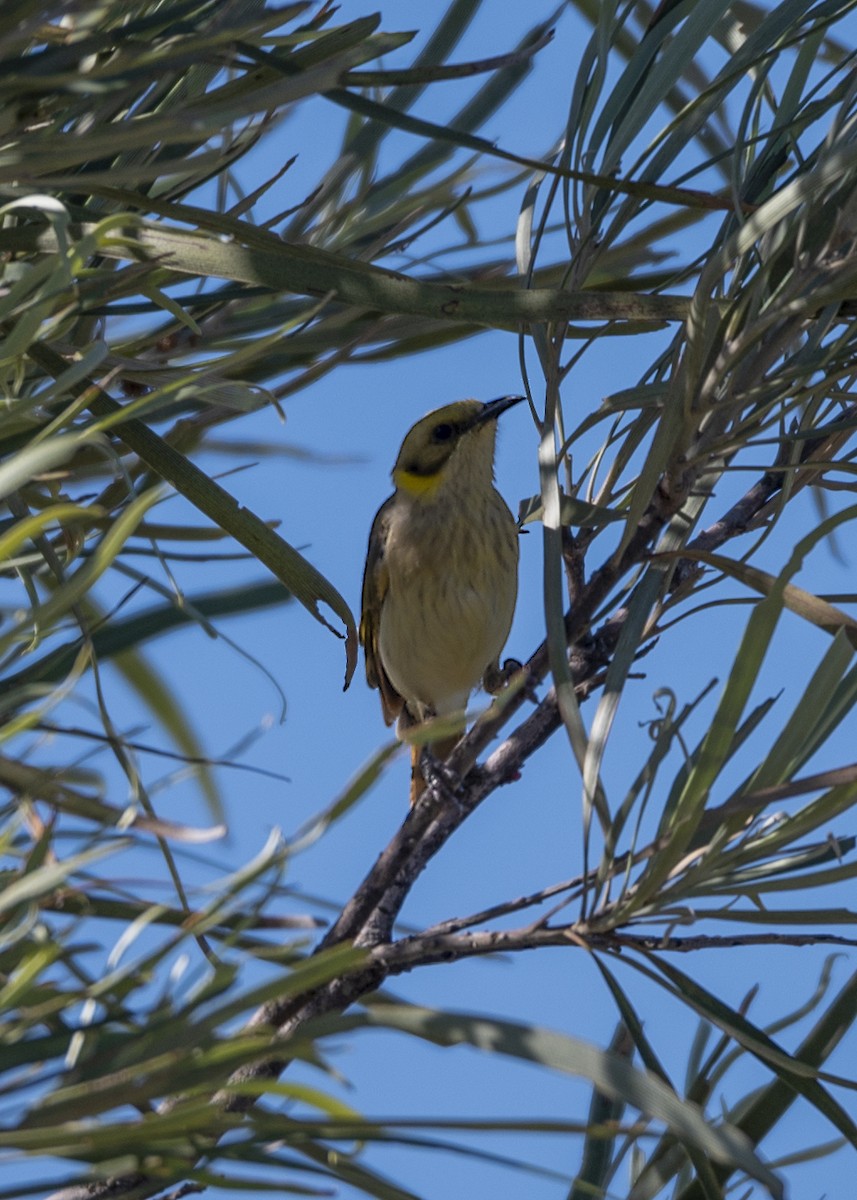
point(804, 604)
point(573, 511)
point(156, 694)
point(610, 1073)
point(45, 456)
point(767, 1107)
point(790, 1069)
point(604, 1113)
point(130, 633)
point(306, 583)
point(51, 876)
point(810, 722)
point(76, 585)
point(267, 261)
point(359, 786)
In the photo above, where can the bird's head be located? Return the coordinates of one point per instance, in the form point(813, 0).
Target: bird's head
point(456, 439)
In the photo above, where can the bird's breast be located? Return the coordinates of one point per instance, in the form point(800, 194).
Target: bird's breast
point(448, 608)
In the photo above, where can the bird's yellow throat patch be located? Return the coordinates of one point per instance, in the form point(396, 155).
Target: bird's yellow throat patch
point(416, 485)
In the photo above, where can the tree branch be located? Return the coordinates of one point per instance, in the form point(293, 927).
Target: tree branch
point(425, 949)
point(369, 916)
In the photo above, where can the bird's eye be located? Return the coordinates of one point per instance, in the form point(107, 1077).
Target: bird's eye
point(442, 433)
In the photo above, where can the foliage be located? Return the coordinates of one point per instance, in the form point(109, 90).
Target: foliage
point(703, 184)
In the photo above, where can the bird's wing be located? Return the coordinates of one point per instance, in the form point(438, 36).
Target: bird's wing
point(375, 583)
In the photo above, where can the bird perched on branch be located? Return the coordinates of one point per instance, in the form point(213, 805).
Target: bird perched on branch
point(441, 574)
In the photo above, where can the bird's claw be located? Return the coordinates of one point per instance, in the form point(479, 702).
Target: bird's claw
point(497, 678)
point(439, 776)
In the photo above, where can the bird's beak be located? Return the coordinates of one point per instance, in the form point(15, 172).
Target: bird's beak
point(493, 409)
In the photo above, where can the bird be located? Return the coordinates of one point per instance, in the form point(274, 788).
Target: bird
point(441, 576)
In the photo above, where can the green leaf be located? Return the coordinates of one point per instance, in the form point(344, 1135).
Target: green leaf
point(789, 1069)
point(306, 583)
point(572, 512)
point(611, 1073)
point(41, 457)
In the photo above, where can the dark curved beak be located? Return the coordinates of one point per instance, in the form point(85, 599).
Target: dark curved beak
point(495, 408)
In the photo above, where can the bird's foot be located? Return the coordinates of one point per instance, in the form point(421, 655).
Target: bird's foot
point(497, 678)
point(439, 776)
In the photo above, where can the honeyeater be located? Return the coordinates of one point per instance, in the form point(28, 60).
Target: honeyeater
point(441, 574)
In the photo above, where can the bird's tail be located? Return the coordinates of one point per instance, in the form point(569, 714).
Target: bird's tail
point(440, 750)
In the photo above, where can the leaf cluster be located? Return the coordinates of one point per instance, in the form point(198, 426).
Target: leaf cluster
point(700, 196)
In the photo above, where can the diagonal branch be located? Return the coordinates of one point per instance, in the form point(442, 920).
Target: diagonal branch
point(369, 916)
